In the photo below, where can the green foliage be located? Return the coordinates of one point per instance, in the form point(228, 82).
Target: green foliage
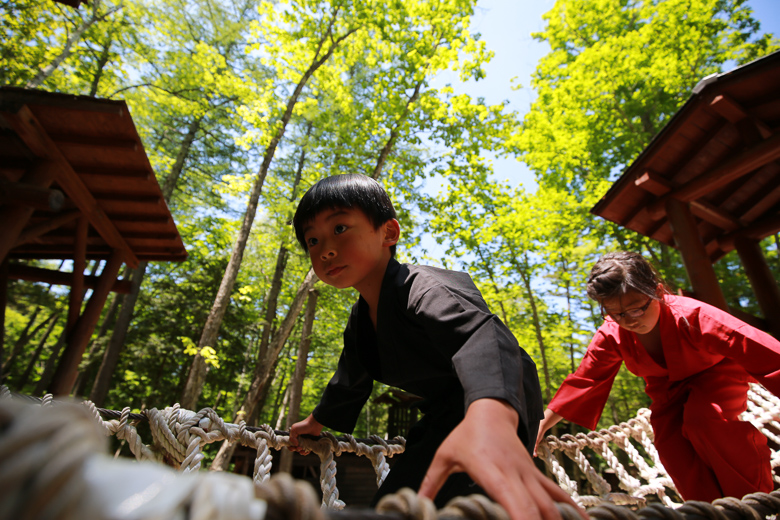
point(207, 83)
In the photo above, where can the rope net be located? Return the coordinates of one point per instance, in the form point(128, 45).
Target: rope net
point(53, 466)
point(632, 442)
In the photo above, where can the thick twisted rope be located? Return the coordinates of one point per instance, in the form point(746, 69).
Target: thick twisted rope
point(51, 468)
point(651, 478)
point(181, 435)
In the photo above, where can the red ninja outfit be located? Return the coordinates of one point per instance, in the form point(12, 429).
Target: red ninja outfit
point(697, 397)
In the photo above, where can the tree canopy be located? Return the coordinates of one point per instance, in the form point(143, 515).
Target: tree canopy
point(244, 104)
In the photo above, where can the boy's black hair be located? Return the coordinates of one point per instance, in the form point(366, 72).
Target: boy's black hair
point(344, 191)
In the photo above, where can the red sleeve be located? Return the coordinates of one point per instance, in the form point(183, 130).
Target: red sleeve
point(756, 351)
point(582, 396)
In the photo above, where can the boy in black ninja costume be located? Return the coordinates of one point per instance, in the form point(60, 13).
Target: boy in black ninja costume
point(427, 331)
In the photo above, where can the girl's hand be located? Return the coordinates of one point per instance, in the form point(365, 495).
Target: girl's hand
point(309, 426)
point(550, 419)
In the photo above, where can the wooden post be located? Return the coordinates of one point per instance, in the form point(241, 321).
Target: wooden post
point(3, 302)
point(697, 262)
point(67, 369)
point(764, 284)
point(79, 264)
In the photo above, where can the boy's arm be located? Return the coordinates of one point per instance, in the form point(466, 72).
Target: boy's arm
point(486, 446)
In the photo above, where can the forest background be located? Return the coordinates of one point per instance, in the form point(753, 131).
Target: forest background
point(242, 105)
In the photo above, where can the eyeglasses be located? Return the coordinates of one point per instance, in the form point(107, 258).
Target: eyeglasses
point(631, 313)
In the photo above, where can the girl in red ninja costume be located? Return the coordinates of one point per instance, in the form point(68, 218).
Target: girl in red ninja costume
point(696, 361)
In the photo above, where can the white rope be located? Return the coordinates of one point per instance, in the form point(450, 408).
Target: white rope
point(651, 477)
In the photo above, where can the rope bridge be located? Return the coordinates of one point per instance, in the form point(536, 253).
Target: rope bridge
point(52, 465)
point(649, 476)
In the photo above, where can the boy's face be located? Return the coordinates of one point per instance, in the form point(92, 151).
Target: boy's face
point(346, 250)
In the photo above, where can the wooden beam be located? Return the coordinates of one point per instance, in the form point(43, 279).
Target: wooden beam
point(654, 183)
point(659, 186)
point(97, 142)
point(732, 111)
point(761, 280)
point(714, 215)
point(742, 164)
point(50, 276)
point(33, 232)
point(36, 197)
point(34, 136)
point(14, 217)
point(68, 367)
point(757, 231)
point(695, 258)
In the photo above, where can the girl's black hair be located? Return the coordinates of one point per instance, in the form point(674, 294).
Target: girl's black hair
point(617, 273)
point(344, 191)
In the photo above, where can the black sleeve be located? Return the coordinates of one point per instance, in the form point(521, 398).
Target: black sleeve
point(348, 389)
point(485, 355)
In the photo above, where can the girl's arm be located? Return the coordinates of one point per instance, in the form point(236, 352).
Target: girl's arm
point(550, 419)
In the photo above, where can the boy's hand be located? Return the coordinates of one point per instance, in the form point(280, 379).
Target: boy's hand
point(310, 426)
point(486, 446)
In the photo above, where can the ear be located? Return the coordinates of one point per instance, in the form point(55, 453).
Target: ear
point(392, 232)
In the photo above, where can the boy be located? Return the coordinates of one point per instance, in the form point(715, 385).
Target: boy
point(427, 331)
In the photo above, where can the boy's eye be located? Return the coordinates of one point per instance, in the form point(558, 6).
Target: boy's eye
point(340, 228)
point(310, 242)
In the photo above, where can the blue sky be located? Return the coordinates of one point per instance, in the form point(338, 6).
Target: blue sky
point(506, 27)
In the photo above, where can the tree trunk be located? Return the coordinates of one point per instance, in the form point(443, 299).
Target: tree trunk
point(47, 71)
point(198, 369)
point(263, 370)
point(48, 369)
point(296, 384)
point(41, 344)
point(537, 327)
point(21, 341)
point(102, 61)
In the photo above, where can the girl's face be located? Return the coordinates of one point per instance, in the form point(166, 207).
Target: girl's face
point(625, 308)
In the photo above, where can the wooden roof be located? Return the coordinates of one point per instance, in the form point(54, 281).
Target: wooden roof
point(98, 163)
point(719, 152)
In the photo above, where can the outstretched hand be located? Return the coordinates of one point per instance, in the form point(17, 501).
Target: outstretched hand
point(550, 419)
point(486, 446)
point(309, 426)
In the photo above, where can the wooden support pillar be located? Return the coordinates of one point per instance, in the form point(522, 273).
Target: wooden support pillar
point(67, 369)
point(764, 284)
point(697, 262)
point(77, 283)
point(3, 303)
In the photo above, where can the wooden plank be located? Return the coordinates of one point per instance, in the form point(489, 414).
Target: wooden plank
point(36, 197)
point(89, 141)
point(35, 137)
point(737, 166)
point(714, 215)
point(32, 232)
point(654, 183)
